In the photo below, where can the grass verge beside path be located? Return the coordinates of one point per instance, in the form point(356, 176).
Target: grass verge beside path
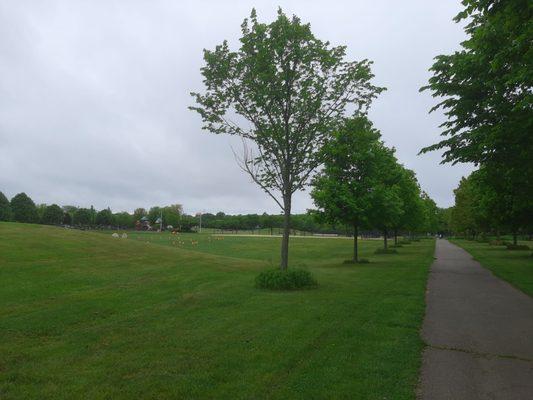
point(514, 266)
point(84, 315)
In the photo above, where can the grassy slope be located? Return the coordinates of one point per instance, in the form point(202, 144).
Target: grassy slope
point(86, 315)
point(514, 266)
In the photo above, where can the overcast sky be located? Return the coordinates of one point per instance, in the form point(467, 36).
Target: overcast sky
point(94, 96)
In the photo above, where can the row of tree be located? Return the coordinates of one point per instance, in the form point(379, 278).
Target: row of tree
point(363, 185)
point(485, 91)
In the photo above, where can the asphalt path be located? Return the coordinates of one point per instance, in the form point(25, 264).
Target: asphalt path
point(478, 330)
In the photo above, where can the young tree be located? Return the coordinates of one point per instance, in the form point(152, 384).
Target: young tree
point(353, 162)
point(412, 214)
point(5, 208)
point(282, 92)
point(52, 215)
point(386, 210)
point(462, 217)
point(431, 217)
point(24, 209)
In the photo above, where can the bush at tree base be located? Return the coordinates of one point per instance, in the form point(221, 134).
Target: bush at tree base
point(290, 279)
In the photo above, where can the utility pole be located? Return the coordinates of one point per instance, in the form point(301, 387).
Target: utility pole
point(200, 222)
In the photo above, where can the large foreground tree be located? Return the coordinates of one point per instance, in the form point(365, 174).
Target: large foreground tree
point(485, 91)
point(283, 92)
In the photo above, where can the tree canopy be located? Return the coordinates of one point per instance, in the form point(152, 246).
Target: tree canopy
point(283, 92)
point(24, 209)
point(485, 92)
point(5, 208)
point(52, 215)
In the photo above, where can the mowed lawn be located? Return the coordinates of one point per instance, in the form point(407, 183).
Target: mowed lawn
point(84, 315)
point(514, 266)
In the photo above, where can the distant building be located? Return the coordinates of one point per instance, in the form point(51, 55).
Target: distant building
point(143, 224)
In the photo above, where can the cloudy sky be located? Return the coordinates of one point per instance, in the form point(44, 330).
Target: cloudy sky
point(94, 96)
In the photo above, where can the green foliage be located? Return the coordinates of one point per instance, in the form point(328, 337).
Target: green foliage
point(277, 279)
point(431, 214)
point(67, 218)
point(5, 208)
point(82, 216)
point(52, 215)
point(123, 220)
point(104, 218)
point(24, 209)
point(353, 160)
point(486, 94)
point(292, 90)
point(414, 213)
point(486, 87)
point(354, 163)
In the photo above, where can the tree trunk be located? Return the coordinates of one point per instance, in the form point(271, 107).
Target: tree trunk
point(355, 253)
point(286, 233)
point(515, 239)
point(395, 237)
point(385, 240)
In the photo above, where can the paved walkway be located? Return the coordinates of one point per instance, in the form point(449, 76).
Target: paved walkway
point(479, 332)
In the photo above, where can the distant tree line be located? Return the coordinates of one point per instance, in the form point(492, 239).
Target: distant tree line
point(22, 208)
point(363, 186)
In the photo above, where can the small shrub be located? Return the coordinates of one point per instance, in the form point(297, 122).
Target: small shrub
point(404, 242)
point(497, 243)
point(517, 247)
point(396, 246)
point(291, 279)
point(386, 251)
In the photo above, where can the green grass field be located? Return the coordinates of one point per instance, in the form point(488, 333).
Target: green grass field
point(514, 266)
point(85, 315)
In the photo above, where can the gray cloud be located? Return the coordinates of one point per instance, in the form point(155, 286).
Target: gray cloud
point(94, 96)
